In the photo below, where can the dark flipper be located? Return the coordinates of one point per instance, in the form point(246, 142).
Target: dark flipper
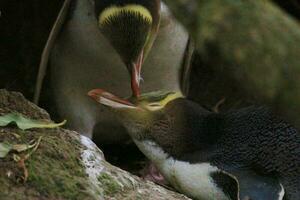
point(258, 187)
point(228, 183)
point(46, 52)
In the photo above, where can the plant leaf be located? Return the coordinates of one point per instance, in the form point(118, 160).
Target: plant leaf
point(22, 147)
point(25, 123)
point(5, 148)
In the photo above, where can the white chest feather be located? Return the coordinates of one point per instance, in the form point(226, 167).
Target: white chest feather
point(191, 179)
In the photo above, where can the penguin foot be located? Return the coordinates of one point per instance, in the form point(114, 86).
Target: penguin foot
point(151, 173)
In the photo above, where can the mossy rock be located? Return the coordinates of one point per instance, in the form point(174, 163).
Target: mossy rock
point(65, 165)
point(55, 170)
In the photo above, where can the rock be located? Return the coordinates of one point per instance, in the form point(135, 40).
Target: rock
point(65, 165)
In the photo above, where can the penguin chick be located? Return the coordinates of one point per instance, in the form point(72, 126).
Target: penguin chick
point(241, 154)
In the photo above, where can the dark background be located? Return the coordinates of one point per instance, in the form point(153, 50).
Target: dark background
point(24, 28)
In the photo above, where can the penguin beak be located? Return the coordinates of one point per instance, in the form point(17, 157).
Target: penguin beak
point(110, 100)
point(135, 70)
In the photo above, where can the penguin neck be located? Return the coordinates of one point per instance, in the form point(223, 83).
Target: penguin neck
point(152, 151)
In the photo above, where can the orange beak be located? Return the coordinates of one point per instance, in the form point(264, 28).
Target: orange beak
point(110, 100)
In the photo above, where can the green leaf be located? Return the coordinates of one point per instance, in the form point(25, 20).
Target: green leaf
point(25, 123)
point(5, 149)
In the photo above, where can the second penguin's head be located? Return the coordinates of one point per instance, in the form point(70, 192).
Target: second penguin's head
point(131, 27)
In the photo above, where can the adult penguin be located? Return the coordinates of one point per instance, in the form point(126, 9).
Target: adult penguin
point(92, 42)
point(237, 155)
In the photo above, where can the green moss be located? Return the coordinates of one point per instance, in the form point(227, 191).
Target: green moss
point(109, 185)
point(55, 169)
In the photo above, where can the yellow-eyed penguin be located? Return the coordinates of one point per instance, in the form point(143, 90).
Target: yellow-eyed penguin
point(242, 154)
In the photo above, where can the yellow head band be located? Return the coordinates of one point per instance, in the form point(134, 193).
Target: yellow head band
point(171, 97)
point(154, 106)
point(116, 10)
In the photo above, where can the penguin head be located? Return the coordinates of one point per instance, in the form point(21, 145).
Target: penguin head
point(131, 27)
point(137, 114)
